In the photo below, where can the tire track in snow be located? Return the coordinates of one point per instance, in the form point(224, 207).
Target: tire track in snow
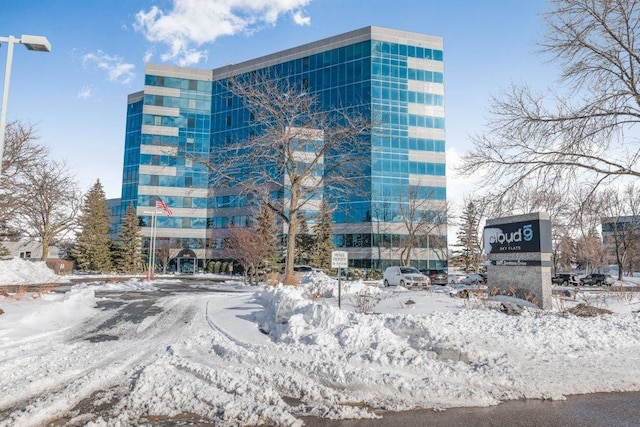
point(53, 381)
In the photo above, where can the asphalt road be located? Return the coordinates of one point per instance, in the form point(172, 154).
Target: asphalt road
point(593, 410)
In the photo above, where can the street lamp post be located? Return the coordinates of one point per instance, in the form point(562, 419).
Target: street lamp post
point(37, 43)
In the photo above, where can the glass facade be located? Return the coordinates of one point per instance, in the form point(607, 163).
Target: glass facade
point(395, 77)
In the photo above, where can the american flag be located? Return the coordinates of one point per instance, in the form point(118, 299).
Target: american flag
point(160, 204)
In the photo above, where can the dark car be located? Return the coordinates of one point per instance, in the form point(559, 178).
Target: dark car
point(597, 279)
point(438, 277)
point(565, 279)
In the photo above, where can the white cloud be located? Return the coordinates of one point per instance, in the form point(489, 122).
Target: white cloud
point(117, 70)
point(85, 93)
point(147, 56)
point(300, 19)
point(192, 23)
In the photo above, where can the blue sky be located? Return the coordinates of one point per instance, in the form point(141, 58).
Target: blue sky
point(76, 95)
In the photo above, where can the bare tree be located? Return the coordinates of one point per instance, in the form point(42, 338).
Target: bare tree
point(579, 131)
point(420, 217)
point(295, 149)
point(382, 214)
point(165, 248)
point(621, 224)
point(556, 202)
point(563, 253)
point(21, 154)
point(587, 219)
point(244, 246)
point(590, 251)
point(51, 202)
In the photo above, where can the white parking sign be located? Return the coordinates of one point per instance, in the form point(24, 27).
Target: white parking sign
point(339, 259)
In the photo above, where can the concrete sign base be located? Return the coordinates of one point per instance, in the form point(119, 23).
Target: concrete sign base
point(519, 253)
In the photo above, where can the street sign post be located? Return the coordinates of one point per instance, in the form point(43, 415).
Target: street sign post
point(339, 260)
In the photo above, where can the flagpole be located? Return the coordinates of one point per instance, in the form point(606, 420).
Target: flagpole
point(152, 245)
point(152, 238)
point(155, 233)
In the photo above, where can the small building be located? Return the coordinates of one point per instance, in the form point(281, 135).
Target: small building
point(28, 249)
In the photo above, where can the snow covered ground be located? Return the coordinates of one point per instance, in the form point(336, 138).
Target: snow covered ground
point(270, 356)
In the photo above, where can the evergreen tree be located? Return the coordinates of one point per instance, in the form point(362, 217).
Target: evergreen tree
point(304, 241)
point(566, 253)
point(92, 251)
point(128, 256)
point(323, 238)
point(268, 236)
point(4, 252)
point(468, 237)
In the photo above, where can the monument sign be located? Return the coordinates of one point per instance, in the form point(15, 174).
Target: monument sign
point(519, 254)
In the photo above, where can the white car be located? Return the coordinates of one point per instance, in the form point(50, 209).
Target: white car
point(474, 279)
point(404, 276)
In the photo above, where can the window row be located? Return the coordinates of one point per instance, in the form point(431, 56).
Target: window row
point(201, 102)
point(424, 98)
point(230, 221)
point(177, 242)
point(404, 143)
point(381, 47)
point(198, 180)
point(163, 221)
point(382, 93)
point(177, 83)
point(387, 241)
point(425, 76)
point(388, 118)
point(174, 201)
point(426, 121)
point(230, 201)
point(383, 190)
point(199, 122)
point(322, 60)
point(384, 71)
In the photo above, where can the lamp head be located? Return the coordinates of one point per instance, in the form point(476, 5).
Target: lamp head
point(37, 43)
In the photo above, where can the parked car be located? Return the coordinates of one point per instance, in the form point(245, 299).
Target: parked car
point(437, 277)
point(474, 279)
point(302, 268)
point(404, 276)
point(455, 279)
point(565, 279)
point(597, 279)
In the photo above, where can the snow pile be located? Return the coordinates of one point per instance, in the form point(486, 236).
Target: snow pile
point(18, 271)
point(32, 316)
point(454, 358)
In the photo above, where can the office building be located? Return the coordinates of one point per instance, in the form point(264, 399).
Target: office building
point(397, 76)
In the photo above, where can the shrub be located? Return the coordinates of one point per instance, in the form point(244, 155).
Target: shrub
point(366, 300)
point(355, 273)
point(374, 274)
point(210, 266)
